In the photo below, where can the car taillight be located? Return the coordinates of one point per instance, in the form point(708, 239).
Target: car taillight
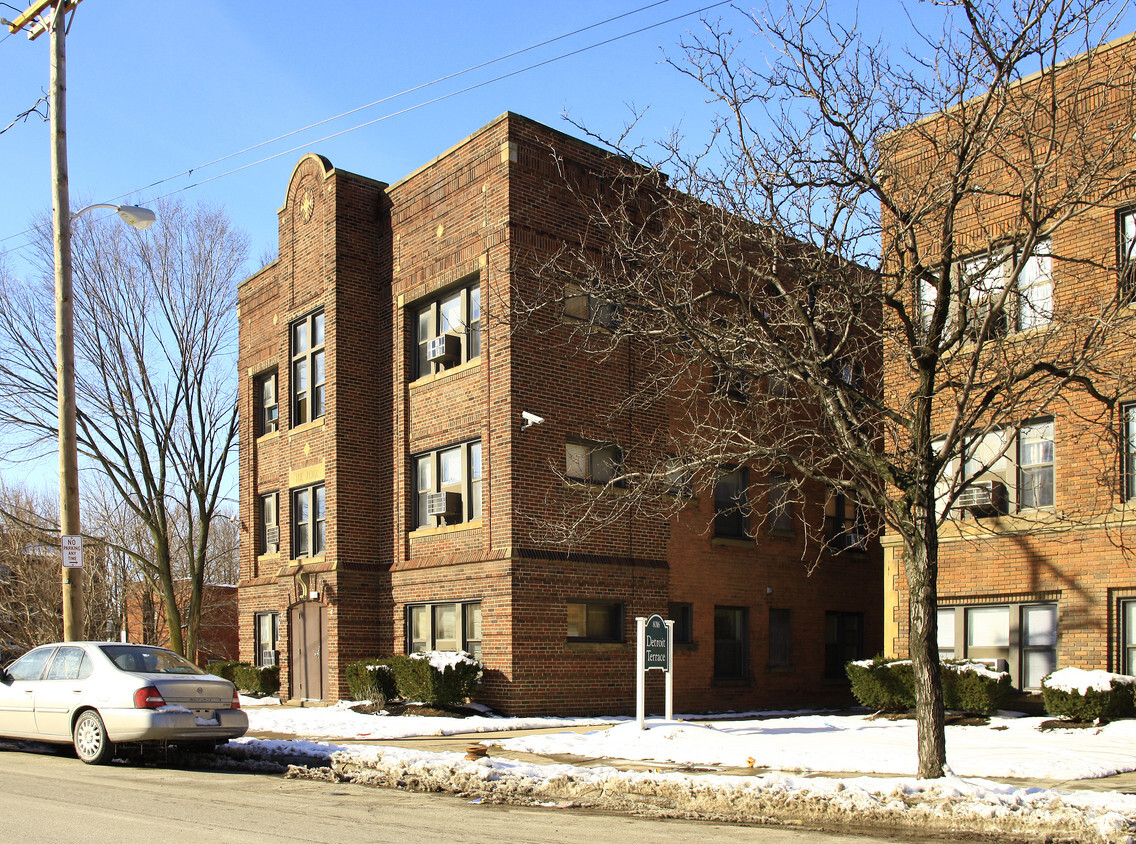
point(236, 704)
point(148, 698)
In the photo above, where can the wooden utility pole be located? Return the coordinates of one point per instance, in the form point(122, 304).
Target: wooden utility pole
point(55, 22)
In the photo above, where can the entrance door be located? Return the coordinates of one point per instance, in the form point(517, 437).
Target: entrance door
point(308, 631)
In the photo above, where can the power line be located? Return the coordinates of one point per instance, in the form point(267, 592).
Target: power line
point(411, 108)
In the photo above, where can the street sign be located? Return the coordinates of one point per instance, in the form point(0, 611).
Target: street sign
point(72, 547)
point(656, 644)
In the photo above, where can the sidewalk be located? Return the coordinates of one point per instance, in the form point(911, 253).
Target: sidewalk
point(1124, 783)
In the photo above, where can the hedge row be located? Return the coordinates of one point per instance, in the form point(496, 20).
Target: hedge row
point(413, 677)
point(889, 685)
point(1091, 704)
point(249, 678)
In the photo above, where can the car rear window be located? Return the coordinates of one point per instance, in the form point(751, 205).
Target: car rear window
point(149, 660)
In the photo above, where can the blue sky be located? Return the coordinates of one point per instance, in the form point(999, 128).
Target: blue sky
point(159, 92)
point(159, 89)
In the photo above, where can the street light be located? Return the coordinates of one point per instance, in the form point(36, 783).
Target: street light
point(70, 538)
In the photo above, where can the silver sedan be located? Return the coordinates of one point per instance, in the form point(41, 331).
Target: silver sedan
point(97, 695)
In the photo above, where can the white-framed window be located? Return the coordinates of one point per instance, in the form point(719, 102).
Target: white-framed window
point(592, 463)
point(1035, 461)
point(595, 621)
point(1128, 635)
point(448, 329)
point(309, 521)
point(444, 626)
point(1035, 286)
point(308, 368)
point(448, 485)
point(1126, 251)
point(267, 407)
point(269, 533)
point(1128, 417)
point(1018, 637)
point(266, 632)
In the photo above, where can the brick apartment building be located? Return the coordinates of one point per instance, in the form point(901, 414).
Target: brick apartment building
point(1033, 570)
point(393, 492)
point(144, 619)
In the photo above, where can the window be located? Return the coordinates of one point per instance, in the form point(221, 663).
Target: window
point(70, 663)
point(448, 330)
point(269, 535)
point(1126, 251)
point(982, 280)
point(307, 369)
point(448, 485)
point(731, 639)
point(267, 411)
point(308, 521)
point(843, 642)
point(780, 643)
point(680, 478)
point(780, 503)
point(1035, 459)
point(682, 614)
point(846, 524)
point(731, 384)
point(1129, 415)
point(946, 637)
point(730, 510)
point(580, 307)
point(267, 635)
point(595, 621)
point(1128, 636)
point(592, 463)
point(1035, 286)
point(1039, 643)
point(444, 627)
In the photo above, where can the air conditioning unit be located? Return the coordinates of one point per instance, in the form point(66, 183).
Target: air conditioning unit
point(983, 498)
point(445, 348)
point(855, 541)
point(268, 658)
point(443, 504)
point(271, 539)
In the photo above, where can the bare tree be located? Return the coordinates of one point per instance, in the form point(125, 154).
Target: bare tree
point(31, 610)
point(832, 286)
point(155, 362)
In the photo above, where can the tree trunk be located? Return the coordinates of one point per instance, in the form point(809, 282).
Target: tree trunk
point(922, 581)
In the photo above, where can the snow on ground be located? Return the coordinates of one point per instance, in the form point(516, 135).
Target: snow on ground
point(1010, 746)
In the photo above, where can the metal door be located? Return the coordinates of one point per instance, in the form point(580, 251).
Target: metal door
point(308, 633)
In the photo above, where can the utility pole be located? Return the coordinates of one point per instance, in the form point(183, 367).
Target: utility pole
point(55, 22)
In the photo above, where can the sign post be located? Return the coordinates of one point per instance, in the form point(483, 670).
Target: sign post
point(654, 650)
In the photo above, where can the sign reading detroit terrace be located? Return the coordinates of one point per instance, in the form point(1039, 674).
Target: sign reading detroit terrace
point(656, 644)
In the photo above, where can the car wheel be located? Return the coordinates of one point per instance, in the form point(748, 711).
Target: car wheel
point(90, 737)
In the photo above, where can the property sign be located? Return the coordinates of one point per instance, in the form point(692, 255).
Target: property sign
point(656, 644)
point(72, 547)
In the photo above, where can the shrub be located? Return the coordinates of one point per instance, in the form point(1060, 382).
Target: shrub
point(882, 684)
point(226, 669)
point(436, 678)
point(257, 681)
point(889, 685)
point(974, 687)
point(1081, 695)
point(371, 679)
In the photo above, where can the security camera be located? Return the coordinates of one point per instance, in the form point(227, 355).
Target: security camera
point(530, 419)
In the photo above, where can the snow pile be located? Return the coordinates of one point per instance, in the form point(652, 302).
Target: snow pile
point(948, 805)
point(1081, 681)
point(441, 660)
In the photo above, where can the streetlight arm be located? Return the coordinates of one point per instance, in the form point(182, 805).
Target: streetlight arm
point(139, 218)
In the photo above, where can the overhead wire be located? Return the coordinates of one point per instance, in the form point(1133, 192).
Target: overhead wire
point(410, 108)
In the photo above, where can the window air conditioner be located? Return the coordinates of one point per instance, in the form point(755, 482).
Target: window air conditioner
point(268, 658)
point(443, 504)
point(855, 541)
point(445, 348)
point(272, 535)
point(983, 498)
